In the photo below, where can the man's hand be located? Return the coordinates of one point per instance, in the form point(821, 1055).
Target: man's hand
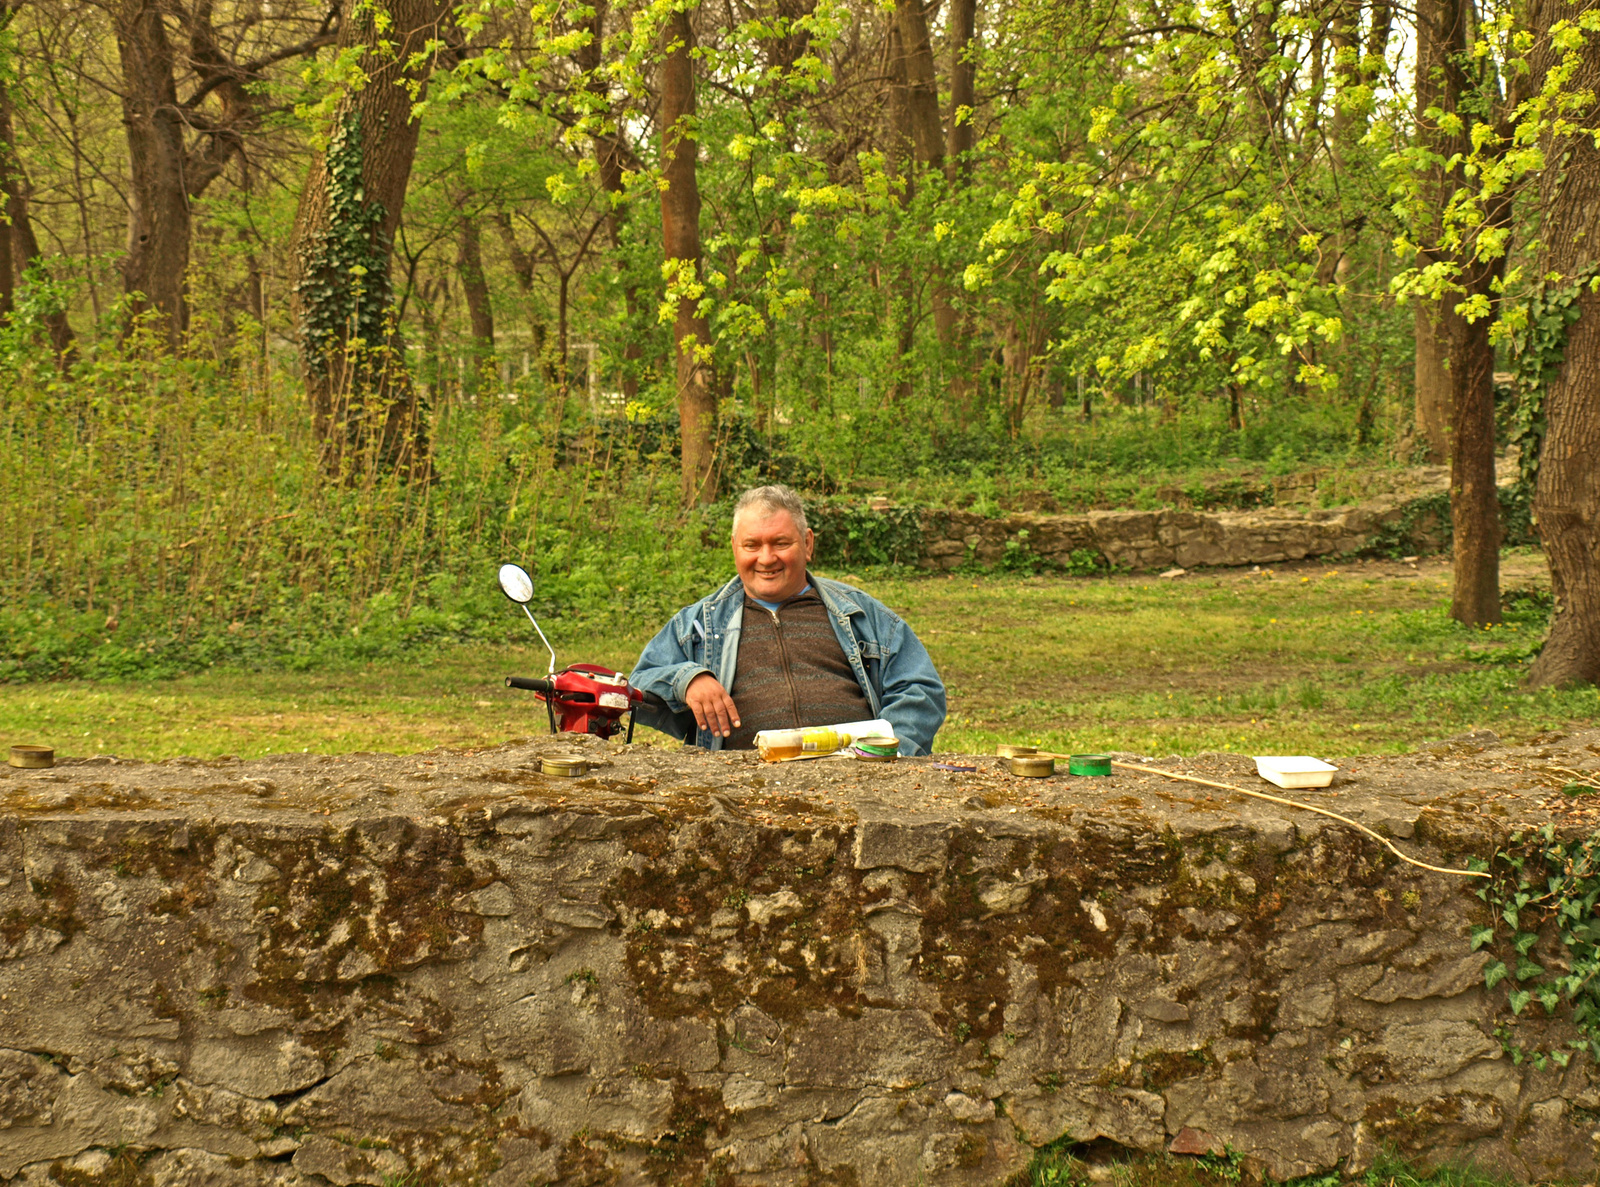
point(714, 709)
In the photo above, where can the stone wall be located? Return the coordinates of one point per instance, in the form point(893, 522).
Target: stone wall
point(1156, 539)
point(1185, 538)
point(691, 968)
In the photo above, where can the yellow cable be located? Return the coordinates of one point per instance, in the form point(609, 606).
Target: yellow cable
point(1261, 795)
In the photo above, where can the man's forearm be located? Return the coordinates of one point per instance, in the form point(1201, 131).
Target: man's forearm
point(912, 696)
point(916, 714)
point(670, 682)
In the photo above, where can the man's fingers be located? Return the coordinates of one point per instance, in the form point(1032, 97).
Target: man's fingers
point(713, 708)
point(730, 712)
point(722, 712)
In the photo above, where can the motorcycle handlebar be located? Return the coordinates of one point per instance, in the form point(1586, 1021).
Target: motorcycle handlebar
point(530, 683)
point(547, 687)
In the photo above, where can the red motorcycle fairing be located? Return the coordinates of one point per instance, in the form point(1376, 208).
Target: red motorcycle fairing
point(587, 698)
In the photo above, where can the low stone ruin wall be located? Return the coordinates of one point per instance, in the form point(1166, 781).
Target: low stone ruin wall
point(690, 968)
point(1156, 539)
point(1186, 538)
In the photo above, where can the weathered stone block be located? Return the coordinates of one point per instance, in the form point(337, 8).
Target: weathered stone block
point(880, 1048)
point(918, 847)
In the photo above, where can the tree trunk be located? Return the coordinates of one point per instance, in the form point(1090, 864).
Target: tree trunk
point(610, 154)
point(1344, 39)
point(922, 84)
point(1432, 378)
point(475, 286)
point(158, 201)
point(918, 116)
point(1442, 82)
point(21, 247)
point(360, 392)
point(1382, 20)
point(165, 176)
point(1440, 32)
point(1474, 505)
point(8, 284)
point(1566, 503)
point(11, 266)
point(963, 83)
point(1567, 506)
point(898, 291)
point(680, 236)
point(522, 267)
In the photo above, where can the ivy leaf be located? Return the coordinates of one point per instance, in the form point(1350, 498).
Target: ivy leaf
point(1518, 999)
point(1524, 941)
point(1493, 974)
point(1481, 936)
point(1510, 916)
point(1526, 968)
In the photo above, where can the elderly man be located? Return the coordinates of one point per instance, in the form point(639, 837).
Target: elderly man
point(779, 648)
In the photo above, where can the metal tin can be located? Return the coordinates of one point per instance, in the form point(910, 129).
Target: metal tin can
point(564, 766)
point(1031, 766)
point(1089, 764)
point(875, 748)
point(1006, 750)
point(34, 757)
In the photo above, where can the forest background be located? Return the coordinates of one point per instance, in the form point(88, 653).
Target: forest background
point(312, 313)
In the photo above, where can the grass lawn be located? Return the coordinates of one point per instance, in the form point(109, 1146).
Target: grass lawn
point(1305, 659)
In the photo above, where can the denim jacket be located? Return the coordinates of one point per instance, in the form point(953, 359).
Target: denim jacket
point(890, 662)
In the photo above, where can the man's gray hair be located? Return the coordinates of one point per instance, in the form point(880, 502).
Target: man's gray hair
point(772, 499)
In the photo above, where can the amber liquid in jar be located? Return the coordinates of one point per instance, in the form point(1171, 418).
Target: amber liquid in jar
point(777, 745)
point(779, 753)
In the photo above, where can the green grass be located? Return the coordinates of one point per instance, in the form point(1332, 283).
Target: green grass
point(1331, 660)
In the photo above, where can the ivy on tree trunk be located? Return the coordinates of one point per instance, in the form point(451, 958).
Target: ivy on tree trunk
point(364, 406)
point(1566, 502)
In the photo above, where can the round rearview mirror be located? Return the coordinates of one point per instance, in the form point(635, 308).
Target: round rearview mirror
point(516, 584)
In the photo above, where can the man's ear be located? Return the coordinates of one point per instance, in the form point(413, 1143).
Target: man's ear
point(811, 543)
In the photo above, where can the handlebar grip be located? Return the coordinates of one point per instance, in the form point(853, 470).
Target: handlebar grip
point(650, 698)
point(530, 683)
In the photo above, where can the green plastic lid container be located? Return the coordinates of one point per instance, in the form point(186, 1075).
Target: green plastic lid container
point(1089, 764)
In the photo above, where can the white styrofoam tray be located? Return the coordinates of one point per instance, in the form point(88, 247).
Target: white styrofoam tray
point(1297, 770)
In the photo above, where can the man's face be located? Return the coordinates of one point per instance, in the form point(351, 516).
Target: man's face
point(771, 554)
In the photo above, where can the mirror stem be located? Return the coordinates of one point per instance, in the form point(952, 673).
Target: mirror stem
point(542, 639)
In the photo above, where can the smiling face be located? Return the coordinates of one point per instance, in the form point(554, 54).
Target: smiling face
point(771, 552)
